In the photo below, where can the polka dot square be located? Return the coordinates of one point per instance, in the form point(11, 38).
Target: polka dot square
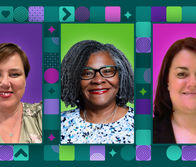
point(143, 45)
point(36, 14)
point(143, 153)
point(112, 14)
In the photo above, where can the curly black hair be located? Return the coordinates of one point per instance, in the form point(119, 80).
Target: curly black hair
point(76, 59)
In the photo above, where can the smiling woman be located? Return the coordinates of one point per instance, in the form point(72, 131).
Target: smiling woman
point(99, 80)
point(19, 122)
point(175, 111)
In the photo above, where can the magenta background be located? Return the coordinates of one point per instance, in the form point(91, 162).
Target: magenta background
point(164, 35)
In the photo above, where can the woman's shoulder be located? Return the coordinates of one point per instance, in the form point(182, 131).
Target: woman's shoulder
point(71, 114)
point(32, 109)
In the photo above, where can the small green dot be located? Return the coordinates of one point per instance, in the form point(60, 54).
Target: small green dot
point(173, 153)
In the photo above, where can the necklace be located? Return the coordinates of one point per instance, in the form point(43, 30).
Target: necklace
point(86, 118)
point(114, 112)
point(11, 134)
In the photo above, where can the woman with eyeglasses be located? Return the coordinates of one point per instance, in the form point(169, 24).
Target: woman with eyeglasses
point(99, 80)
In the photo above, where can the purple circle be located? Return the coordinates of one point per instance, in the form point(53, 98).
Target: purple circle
point(143, 153)
point(189, 153)
point(82, 14)
point(6, 153)
point(143, 45)
point(51, 75)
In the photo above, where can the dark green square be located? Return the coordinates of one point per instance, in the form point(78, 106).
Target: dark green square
point(116, 156)
point(143, 121)
point(54, 33)
point(82, 152)
point(51, 122)
point(51, 91)
point(141, 88)
point(55, 133)
point(143, 60)
point(51, 13)
point(188, 14)
point(97, 14)
point(50, 153)
point(143, 13)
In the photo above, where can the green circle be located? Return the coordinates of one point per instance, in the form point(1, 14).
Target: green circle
point(174, 153)
point(127, 153)
point(20, 14)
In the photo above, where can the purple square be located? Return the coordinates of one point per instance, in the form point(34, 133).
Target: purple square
point(143, 45)
point(97, 153)
point(112, 14)
point(51, 106)
point(6, 153)
point(143, 106)
point(189, 153)
point(36, 13)
point(143, 153)
point(158, 14)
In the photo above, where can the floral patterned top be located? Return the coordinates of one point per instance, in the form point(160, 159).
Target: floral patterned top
point(31, 131)
point(75, 130)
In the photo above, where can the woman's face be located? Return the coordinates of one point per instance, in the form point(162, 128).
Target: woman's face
point(100, 91)
point(182, 82)
point(12, 81)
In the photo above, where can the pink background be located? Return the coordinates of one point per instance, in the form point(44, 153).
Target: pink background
point(164, 35)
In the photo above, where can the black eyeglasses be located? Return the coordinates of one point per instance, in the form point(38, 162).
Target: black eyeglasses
point(105, 71)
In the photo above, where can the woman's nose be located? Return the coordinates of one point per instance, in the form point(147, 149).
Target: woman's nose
point(4, 82)
point(192, 82)
point(98, 78)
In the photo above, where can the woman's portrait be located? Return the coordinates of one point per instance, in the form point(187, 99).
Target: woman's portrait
point(98, 80)
point(175, 98)
point(20, 122)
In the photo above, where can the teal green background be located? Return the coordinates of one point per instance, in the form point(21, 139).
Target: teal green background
point(120, 35)
point(159, 157)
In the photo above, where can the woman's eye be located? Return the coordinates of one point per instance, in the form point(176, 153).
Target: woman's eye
point(15, 75)
point(88, 73)
point(182, 75)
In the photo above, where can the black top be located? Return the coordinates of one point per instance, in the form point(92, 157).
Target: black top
point(162, 130)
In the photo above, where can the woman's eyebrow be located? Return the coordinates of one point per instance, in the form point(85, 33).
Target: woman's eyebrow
point(15, 69)
point(183, 68)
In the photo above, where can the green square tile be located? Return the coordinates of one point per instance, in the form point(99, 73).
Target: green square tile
point(143, 29)
point(174, 14)
point(51, 14)
point(143, 121)
point(6, 14)
point(82, 152)
point(189, 14)
point(21, 152)
point(143, 13)
point(143, 137)
point(51, 122)
point(143, 91)
point(51, 152)
point(67, 153)
point(97, 14)
point(51, 91)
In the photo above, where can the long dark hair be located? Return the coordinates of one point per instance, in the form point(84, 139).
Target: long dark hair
point(162, 102)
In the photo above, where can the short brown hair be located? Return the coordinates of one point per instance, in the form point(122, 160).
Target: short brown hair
point(162, 102)
point(8, 49)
